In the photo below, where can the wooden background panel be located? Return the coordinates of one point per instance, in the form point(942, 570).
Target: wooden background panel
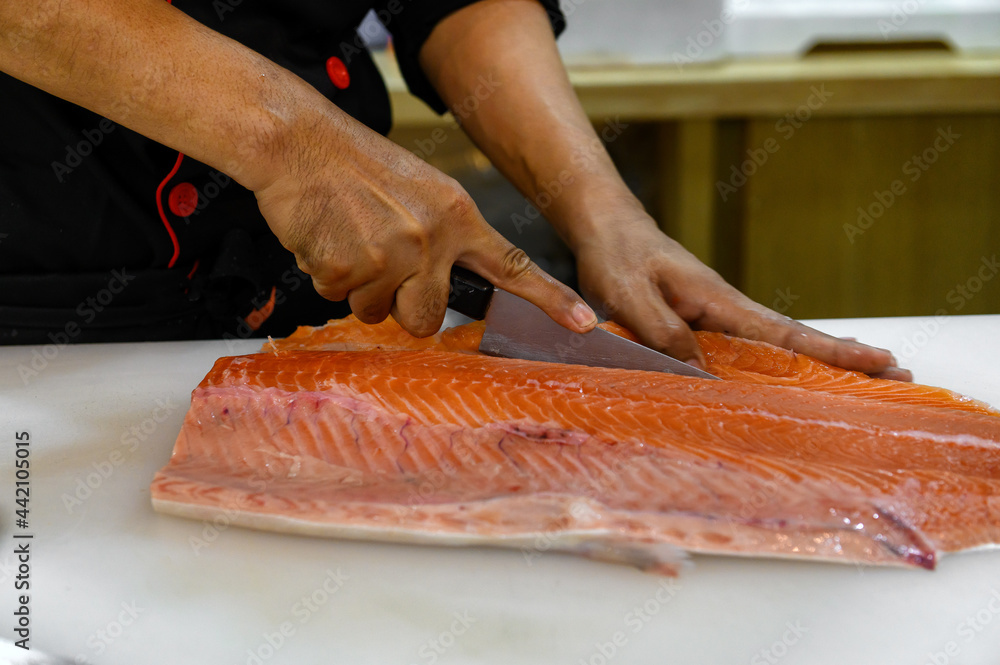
point(865, 83)
point(810, 250)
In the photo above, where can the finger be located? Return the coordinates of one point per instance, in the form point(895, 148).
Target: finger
point(642, 309)
point(372, 302)
point(421, 302)
point(842, 353)
point(745, 318)
point(334, 283)
point(335, 280)
point(894, 374)
point(335, 291)
point(510, 269)
point(329, 282)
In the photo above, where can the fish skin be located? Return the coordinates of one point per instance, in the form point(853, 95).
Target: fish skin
point(787, 456)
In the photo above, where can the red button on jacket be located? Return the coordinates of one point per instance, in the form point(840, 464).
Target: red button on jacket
point(183, 199)
point(337, 71)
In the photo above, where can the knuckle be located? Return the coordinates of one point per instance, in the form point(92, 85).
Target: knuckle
point(331, 286)
point(516, 263)
point(337, 274)
point(331, 293)
point(777, 332)
point(712, 310)
point(669, 336)
point(650, 270)
point(419, 235)
point(377, 258)
point(709, 312)
point(303, 264)
point(610, 307)
point(458, 202)
point(324, 268)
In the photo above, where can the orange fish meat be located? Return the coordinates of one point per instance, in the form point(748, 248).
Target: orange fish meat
point(360, 431)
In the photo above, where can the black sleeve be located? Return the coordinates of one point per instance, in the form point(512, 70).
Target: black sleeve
point(411, 21)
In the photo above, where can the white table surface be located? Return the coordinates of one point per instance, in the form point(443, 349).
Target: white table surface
point(398, 604)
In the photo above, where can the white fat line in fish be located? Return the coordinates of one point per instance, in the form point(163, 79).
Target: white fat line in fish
point(960, 439)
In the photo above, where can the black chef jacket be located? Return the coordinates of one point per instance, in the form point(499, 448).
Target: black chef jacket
point(106, 235)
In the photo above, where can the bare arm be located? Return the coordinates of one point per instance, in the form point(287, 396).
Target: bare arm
point(534, 129)
point(220, 103)
point(368, 220)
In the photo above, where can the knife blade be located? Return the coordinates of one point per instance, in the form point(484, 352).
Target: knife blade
point(515, 328)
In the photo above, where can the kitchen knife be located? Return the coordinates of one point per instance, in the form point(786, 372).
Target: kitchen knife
point(517, 329)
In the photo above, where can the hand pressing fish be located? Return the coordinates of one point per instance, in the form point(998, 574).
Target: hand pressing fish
point(360, 431)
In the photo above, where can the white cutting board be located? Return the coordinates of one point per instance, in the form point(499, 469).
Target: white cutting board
point(114, 582)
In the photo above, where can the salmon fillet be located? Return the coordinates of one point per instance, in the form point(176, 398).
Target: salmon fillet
point(366, 432)
point(728, 358)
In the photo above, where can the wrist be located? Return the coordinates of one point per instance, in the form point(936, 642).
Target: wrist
point(596, 210)
point(280, 110)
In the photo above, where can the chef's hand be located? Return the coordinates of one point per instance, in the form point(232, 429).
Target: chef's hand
point(370, 221)
point(652, 285)
point(376, 225)
point(534, 130)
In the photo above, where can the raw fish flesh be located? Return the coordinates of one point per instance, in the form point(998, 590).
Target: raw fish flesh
point(365, 432)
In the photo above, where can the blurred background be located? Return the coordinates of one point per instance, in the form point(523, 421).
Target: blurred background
point(830, 158)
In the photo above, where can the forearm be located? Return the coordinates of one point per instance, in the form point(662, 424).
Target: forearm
point(532, 126)
point(149, 67)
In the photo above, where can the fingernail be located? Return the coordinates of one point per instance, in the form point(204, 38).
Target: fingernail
point(893, 361)
point(694, 362)
point(583, 315)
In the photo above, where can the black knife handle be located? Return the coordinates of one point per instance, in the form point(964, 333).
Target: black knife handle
point(469, 293)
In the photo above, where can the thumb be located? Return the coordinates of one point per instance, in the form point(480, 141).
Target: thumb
point(510, 269)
